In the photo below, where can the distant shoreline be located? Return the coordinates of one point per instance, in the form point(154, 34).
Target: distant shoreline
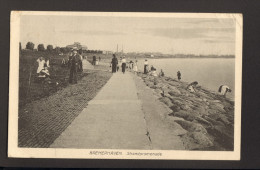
point(191, 57)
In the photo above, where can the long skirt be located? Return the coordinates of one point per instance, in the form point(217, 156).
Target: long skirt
point(73, 75)
point(123, 67)
point(114, 68)
point(145, 69)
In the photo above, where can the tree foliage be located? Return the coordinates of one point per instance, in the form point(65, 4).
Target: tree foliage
point(30, 46)
point(41, 47)
point(49, 47)
point(57, 50)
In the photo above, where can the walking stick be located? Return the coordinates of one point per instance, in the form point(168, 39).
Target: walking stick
point(29, 82)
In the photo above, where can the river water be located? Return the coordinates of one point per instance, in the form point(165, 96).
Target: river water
point(209, 72)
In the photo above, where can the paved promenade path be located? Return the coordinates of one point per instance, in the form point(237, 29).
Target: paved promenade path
point(112, 120)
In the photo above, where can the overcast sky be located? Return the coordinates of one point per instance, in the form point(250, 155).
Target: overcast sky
point(166, 35)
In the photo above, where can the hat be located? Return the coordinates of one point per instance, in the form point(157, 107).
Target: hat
point(74, 49)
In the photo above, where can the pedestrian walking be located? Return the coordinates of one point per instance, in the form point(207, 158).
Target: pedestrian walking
point(94, 60)
point(145, 66)
point(114, 63)
point(135, 67)
point(123, 64)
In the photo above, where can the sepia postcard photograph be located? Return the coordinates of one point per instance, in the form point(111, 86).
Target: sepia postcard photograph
point(125, 85)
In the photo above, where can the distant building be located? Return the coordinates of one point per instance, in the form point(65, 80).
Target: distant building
point(107, 52)
point(78, 46)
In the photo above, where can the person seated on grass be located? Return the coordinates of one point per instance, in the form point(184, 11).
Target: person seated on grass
point(192, 86)
point(41, 63)
point(44, 73)
point(47, 62)
point(223, 89)
point(63, 62)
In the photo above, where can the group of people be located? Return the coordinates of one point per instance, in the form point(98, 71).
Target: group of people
point(223, 89)
point(151, 70)
point(115, 64)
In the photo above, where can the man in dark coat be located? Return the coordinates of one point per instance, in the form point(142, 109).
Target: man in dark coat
point(114, 63)
point(94, 60)
point(74, 62)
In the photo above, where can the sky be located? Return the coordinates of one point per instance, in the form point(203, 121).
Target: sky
point(199, 36)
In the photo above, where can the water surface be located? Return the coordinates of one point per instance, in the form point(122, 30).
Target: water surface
point(210, 72)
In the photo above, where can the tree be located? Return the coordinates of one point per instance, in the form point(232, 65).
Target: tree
point(57, 49)
point(30, 46)
point(41, 47)
point(64, 50)
point(20, 46)
point(49, 47)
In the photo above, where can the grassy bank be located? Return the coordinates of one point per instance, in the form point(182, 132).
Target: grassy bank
point(46, 109)
point(207, 118)
point(42, 121)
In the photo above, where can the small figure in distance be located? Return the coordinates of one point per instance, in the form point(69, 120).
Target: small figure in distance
point(161, 73)
point(153, 71)
point(153, 68)
point(145, 66)
point(135, 67)
point(74, 67)
point(223, 89)
point(114, 63)
point(94, 60)
point(191, 87)
point(179, 75)
point(123, 64)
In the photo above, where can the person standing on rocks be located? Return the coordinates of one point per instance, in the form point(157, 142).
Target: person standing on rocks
point(74, 67)
point(145, 66)
point(123, 64)
point(191, 87)
point(114, 63)
point(161, 73)
point(179, 75)
point(223, 89)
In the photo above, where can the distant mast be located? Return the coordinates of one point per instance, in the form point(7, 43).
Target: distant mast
point(117, 48)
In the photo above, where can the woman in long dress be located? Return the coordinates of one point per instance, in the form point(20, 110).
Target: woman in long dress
point(123, 64)
point(135, 67)
point(145, 66)
point(114, 63)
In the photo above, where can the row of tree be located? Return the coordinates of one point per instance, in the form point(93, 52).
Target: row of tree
point(40, 47)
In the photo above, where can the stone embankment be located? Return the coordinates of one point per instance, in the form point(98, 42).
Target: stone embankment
point(206, 117)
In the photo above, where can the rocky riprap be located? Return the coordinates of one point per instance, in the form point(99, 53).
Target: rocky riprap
point(207, 117)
